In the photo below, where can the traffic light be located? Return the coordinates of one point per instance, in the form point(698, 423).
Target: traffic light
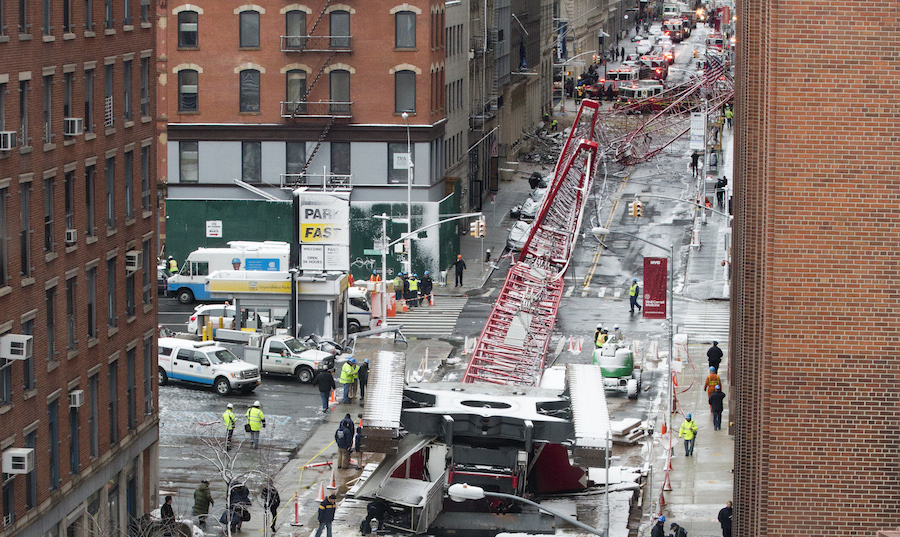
point(638, 208)
point(632, 209)
point(481, 227)
point(473, 229)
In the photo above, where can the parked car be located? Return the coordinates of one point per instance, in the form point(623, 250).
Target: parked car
point(518, 234)
point(205, 362)
point(636, 38)
point(212, 312)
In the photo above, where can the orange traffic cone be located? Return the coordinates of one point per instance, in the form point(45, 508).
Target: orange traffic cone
point(333, 484)
point(404, 307)
point(333, 399)
point(431, 299)
point(321, 496)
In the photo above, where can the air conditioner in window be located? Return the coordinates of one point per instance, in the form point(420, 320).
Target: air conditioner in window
point(71, 236)
point(15, 347)
point(18, 460)
point(189, 88)
point(7, 140)
point(132, 261)
point(73, 126)
point(76, 398)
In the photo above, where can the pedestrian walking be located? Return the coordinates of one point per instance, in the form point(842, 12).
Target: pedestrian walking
point(202, 501)
point(271, 500)
point(725, 519)
point(688, 430)
point(167, 515)
point(623, 53)
point(343, 437)
point(460, 266)
point(348, 377)
point(326, 514)
point(714, 355)
point(325, 382)
point(633, 293)
point(720, 191)
point(256, 420)
point(659, 529)
point(677, 531)
point(237, 511)
point(230, 420)
point(695, 163)
point(729, 116)
point(712, 380)
point(717, 405)
point(362, 375)
point(427, 285)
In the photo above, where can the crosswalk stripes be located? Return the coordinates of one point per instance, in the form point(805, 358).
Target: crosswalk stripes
point(431, 321)
point(704, 321)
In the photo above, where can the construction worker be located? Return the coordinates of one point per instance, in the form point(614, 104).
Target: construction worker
point(712, 380)
point(375, 277)
point(729, 116)
point(633, 292)
point(398, 288)
point(414, 290)
point(229, 419)
point(173, 265)
point(597, 334)
point(689, 430)
point(426, 285)
point(355, 382)
point(257, 421)
point(348, 377)
point(617, 334)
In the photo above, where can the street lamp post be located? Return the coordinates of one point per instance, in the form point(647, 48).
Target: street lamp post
point(409, 180)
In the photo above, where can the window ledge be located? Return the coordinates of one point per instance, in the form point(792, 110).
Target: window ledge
point(24, 37)
point(4, 39)
point(88, 33)
point(129, 123)
point(93, 341)
point(249, 48)
point(68, 36)
point(48, 38)
point(146, 119)
point(109, 31)
point(25, 149)
point(29, 394)
point(128, 28)
point(5, 408)
point(71, 354)
point(406, 49)
point(111, 331)
point(52, 365)
point(129, 222)
point(49, 147)
point(197, 112)
point(146, 214)
point(5, 290)
point(129, 320)
point(68, 141)
point(70, 249)
point(90, 136)
point(191, 48)
point(91, 239)
point(27, 281)
point(146, 25)
point(249, 113)
point(148, 308)
point(50, 256)
point(110, 231)
point(110, 131)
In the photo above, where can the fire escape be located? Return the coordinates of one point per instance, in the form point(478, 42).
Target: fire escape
point(317, 50)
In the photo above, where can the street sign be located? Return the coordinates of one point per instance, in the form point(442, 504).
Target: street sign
point(371, 252)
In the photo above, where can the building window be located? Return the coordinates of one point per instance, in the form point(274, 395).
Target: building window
point(68, 88)
point(145, 87)
point(113, 402)
point(108, 14)
point(88, 16)
point(74, 428)
point(187, 90)
point(126, 89)
point(295, 80)
point(5, 381)
point(108, 96)
point(189, 162)
point(89, 100)
point(67, 16)
point(111, 292)
point(249, 29)
point(340, 158)
point(398, 160)
point(46, 29)
point(129, 384)
point(405, 91)
point(128, 164)
point(50, 306)
point(24, 88)
point(111, 193)
point(145, 178)
point(91, 302)
point(340, 29)
point(2, 91)
point(48, 109)
point(295, 30)
point(187, 29)
point(28, 363)
point(93, 425)
point(146, 270)
point(31, 477)
point(250, 90)
point(90, 172)
point(340, 91)
point(70, 313)
point(25, 229)
point(145, 11)
point(53, 427)
point(251, 162)
point(9, 500)
point(296, 157)
point(148, 376)
point(129, 295)
point(24, 26)
point(4, 246)
point(49, 187)
point(405, 31)
point(126, 12)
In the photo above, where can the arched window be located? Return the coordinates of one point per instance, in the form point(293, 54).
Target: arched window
point(405, 29)
point(187, 90)
point(340, 91)
point(249, 29)
point(295, 81)
point(295, 29)
point(188, 36)
point(340, 29)
point(405, 91)
point(249, 90)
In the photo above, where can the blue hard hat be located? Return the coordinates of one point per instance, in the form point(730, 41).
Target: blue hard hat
point(634, 279)
point(717, 386)
point(426, 273)
point(688, 416)
point(662, 518)
point(352, 360)
point(415, 275)
point(374, 272)
point(713, 369)
point(235, 260)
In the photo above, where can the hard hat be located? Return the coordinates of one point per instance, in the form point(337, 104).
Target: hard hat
point(688, 416)
point(426, 273)
point(718, 387)
point(374, 272)
point(229, 405)
point(713, 369)
point(615, 327)
point(367, 360)
point(662, 518)
point(170, 257)
point(415, 275)
point(255, 403)
point(634, 279)
point(235, 260)
point(352, 360)
point(599, 326)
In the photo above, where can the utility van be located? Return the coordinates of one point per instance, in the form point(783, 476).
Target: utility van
point(206, 363)
point(283, 355)
point(359, 313)
point(190, 282)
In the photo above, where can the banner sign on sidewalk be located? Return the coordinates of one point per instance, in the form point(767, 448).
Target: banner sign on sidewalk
point(656, 279)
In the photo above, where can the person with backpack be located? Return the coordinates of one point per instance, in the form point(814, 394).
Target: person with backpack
point(343, 437)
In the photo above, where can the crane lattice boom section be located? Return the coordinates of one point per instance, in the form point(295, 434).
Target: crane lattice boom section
point(515, 338)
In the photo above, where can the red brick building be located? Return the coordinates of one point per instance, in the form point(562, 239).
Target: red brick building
point(814, 359)
point(77, 265)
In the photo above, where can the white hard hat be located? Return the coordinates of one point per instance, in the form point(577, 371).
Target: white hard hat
point(255, 403)
point(229, 405)
point(615, 327)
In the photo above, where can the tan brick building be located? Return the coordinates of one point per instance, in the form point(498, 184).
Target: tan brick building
point(814, 360)
point(77, 265)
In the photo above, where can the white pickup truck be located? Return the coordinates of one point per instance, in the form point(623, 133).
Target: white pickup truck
point(285, 355)
point(205, 362)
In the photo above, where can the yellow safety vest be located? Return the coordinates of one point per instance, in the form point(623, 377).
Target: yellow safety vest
point(633, 290)
point(688, 429)
point(173, 266)
point(230, 419)
point(601, 339)
point(255, 417)
point(414, 285)
point(348, 373)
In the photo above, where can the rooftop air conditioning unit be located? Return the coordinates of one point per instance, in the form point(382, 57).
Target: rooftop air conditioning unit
point(132, 261)
point(71, 236)
point(15, 346)
point(76, 398)
point(7, 140)
point(73, 126)
point(18, 460)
